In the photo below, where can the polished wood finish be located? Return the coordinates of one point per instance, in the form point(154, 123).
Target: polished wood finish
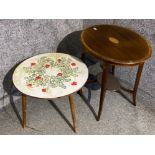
point(72, 108)
point(116, 46)
point(130, 49)
point(103, 88)
point(139, 72)
point(71, 102)
point(134, 91)
point(23, 110)
point(126, 89)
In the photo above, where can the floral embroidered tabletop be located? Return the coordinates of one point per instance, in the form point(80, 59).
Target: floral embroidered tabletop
point(50, 75)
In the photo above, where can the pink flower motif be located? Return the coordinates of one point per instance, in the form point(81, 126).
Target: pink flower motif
point(47, 65)
point(73, 64)
point(38, 78)
point(29, 85)
point(44, 90)
point(59, 60)
point(74, 83)
point(59, 74)
point(33, 64)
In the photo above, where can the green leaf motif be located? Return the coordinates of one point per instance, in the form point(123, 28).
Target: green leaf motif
point(37, 74)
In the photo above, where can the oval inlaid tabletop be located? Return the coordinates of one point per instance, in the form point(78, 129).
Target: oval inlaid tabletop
point(115, 44)
point(50, 75)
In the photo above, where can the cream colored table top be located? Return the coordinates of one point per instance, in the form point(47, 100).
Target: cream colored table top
point(50, 75)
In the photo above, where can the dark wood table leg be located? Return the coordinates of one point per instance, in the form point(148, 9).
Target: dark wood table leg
point(72, 111)
point(103, 88)
point(139, 72)
point(23, 110)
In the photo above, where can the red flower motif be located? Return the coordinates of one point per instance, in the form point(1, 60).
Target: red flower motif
point(59, 74)
point(74, 83)
point(29, 85)
point(33, 64)
point(38, 78)
point(47, 65)
point(44, 90)
point(59, 60)
point(73, 64)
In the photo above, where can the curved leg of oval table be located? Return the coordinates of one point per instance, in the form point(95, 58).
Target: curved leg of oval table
point(103, 88)
point(134, 91)
point(23, 110)
point(71, 102)
point(139, 72)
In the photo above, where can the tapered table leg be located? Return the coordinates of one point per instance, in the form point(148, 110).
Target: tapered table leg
point(23, 110)
point(139, 72)
point(72, 111)
point(103, 88)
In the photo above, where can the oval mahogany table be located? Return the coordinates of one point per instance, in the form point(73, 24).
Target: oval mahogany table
point(116, 46)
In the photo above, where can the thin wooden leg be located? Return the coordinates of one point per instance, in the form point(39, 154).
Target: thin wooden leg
point(24, 110)
point(103, 88)
point(72, 111)
point(139, 72)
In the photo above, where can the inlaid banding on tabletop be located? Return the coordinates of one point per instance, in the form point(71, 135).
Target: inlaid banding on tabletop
point(94, 28)
point(113, 40)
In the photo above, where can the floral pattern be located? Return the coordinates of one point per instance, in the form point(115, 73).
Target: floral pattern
point(51, 72)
